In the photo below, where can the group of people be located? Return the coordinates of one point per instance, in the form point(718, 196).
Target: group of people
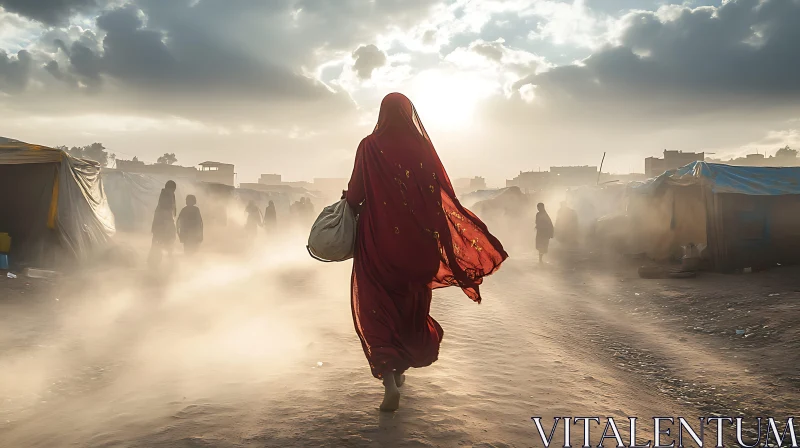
point(188, 227)
point(302, 210)
point(269, 220)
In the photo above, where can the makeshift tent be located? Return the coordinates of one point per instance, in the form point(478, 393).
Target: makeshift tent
point(748, 216)
point(52, 205)
point(133, 198)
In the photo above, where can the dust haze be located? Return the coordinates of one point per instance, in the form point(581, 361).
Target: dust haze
point(131, 345)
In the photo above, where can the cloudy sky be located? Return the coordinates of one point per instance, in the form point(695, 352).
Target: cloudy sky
point(291, 86)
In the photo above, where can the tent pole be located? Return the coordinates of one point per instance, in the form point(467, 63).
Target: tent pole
point(601, 168)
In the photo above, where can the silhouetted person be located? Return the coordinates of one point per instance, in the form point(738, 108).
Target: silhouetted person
point(544, 231)
point(253, 219)
point(413, 235)
point(190, 226)
point(163, 224)
point(270, 217)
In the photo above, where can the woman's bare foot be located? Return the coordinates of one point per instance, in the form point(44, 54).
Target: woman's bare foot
point(399, 379)
point(391, 394)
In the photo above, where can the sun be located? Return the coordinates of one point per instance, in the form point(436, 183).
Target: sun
point(447, 100)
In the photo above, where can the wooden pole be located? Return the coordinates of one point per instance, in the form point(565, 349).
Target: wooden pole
point(601, 168)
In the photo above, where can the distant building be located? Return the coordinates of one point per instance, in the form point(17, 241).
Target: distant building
point(217, 173)
point(161, 169)
point(558, 176)
point(270, 179)
point(530, 180)
point(759, 159)
point(212, 172)
point(573, 176)
point(654, 166)
point(477, 183)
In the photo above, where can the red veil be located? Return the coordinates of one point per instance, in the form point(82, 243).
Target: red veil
point(413, 236)
point(397, 167)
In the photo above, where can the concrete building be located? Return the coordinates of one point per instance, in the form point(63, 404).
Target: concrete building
point(573, 176)
point(654, 166)
point(530, 180)
point(212, 172)
point(759, 159)
point(160, 169)
point(270, 179)
point(558, 176)
point(217, 173)
point(477, 183)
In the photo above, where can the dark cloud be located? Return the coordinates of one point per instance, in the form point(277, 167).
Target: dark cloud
point(188, 62)
point(15, 71)
point(290, 31)
point(49, 12)
point(174, 56)
point(368, 58)
point(135, 54)
point(55, 71)
point(86, 64)
point(744, 51)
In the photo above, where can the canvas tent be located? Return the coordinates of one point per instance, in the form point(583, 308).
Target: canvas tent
point(747, 216)
point(52, 205)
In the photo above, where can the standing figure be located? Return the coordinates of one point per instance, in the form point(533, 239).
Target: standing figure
point(544, 231)
point(270, 217)
point(253, 219)
point(413, 236)
point(190, 226)
point(163, 224)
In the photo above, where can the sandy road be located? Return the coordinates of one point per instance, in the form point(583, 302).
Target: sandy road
point(267, 356)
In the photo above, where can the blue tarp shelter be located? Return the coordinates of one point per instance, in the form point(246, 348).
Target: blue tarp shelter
point(720, 178)
point(748, 216)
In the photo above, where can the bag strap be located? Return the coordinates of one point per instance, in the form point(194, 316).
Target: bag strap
point(318, 258)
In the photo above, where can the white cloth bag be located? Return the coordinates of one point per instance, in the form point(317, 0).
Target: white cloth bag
point(333, 235)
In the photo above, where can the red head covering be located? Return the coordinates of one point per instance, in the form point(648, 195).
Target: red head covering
point(412, 225)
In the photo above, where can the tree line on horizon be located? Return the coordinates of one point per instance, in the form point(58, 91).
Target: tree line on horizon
point(100, 154)
point(785, 156)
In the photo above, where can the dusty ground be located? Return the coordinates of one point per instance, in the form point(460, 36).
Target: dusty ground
point(263, 353)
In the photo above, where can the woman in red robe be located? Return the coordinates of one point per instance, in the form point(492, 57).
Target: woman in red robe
point(413, 236)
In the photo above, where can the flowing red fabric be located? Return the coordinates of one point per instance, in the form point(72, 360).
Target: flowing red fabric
point(413, 236)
